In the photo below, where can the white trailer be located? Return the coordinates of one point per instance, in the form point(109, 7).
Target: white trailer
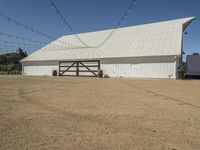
point(193, 66)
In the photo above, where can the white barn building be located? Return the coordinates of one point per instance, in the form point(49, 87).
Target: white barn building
point(144, 51)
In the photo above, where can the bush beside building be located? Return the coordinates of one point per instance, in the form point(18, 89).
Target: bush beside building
point(10, 62)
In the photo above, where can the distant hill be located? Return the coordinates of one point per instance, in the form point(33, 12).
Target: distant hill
point(10, 62)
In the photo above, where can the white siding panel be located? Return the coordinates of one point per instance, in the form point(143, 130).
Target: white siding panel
point(141, 67)
point(146, 67)
point(39, 70)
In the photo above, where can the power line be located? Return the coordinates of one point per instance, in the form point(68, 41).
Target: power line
point(7, 48)
point(125, 15)
point(20, 38)
point(31, 29)
point(69, 45)
point(40, 44)
point(62, 47)
point(67, 24)
point(5, 45)
point(35, 45)
point(16, 43)
point(14, 48)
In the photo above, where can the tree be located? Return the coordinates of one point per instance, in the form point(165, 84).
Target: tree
point(13, 58)
point(21, 52)
point(10, 62)
point(3, 59)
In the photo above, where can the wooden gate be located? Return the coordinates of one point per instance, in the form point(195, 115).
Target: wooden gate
point(87, 68)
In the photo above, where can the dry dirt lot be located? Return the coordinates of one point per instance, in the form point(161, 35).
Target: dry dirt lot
point(96, 114)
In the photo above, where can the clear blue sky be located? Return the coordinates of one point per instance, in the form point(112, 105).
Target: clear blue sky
point(92, 15)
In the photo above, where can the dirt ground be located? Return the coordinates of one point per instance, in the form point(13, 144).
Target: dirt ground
point(97, 114)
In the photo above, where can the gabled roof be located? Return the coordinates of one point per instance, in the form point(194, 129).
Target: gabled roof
point(155, 39)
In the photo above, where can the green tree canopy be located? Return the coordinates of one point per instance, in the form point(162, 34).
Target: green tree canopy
point(11, 61)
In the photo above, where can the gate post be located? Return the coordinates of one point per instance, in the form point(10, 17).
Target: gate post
point(77, 68)
point(59, 69)
point(99, 65)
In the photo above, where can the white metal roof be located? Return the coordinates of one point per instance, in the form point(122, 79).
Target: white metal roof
point(155, 39)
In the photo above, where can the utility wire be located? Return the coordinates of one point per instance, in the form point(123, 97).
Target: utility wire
point(5, 45)
point(13, 47)
point(67, 23)
point(31, 29)
point(16, 43)
point(28, 40)
point(20, 38)
point(70, 46)
point(48, 47)
point(125, 15)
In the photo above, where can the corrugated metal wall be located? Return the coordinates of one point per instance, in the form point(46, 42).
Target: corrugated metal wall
point(39, 68)
point(141, 67)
